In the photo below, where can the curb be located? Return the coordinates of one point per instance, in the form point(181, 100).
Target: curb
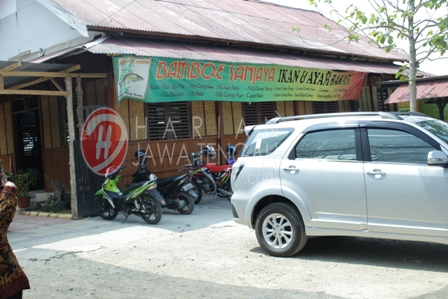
point(45, 214)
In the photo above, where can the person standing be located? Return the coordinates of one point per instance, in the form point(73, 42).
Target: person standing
point(12, 278)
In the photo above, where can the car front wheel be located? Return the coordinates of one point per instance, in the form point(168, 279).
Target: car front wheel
point(280, 230)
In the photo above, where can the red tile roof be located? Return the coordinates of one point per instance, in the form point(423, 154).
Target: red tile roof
point(425, 90)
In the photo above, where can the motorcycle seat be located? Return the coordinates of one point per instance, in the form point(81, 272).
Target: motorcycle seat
point(216, 168)
point(166, 181)
point(129, 187)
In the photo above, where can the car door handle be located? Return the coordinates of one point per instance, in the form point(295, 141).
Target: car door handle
point(377, 173)
point(292, 169)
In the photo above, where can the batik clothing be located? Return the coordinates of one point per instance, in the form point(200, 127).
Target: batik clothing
point(12, 277)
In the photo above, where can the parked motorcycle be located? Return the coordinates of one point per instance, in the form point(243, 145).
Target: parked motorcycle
point(221, 175)
point(211, 178)
point(178, 193)
point(200, 176)
point(111, 199)
point(174, 193)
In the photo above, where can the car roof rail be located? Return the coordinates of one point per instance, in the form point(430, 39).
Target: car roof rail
point(383, 114)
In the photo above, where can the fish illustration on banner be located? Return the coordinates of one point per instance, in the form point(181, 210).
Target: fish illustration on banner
point(163, 79)
point(132, 77)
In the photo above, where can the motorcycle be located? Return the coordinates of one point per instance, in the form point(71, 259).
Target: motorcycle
point(221, 175)
point(178, 193)
point(200, 177)
point(133, 199)
point(211, 178)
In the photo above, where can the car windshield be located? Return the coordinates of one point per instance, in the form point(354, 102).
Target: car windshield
point(264, 142)
point(436, 127)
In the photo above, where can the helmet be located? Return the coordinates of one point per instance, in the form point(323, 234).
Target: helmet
point(231, 149)
point(109, 170)
point(140, 155)
point(209, 151)
point(152, 177)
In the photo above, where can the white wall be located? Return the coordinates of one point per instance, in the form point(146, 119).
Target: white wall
point(7, 7)
point(25, 25)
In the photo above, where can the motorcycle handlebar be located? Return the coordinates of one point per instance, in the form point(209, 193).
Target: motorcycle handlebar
point(115, 171)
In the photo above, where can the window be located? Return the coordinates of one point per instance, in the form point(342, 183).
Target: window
point(329, 145)
point(325, 107)
point(264, 142)
point(169, 120)
point(437, 127)
point(397, 146)
point(258, 113)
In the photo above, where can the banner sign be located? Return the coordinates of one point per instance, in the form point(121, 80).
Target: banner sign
point(154, 79)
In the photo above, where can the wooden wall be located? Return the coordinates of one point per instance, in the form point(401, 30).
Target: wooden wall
point(214, 123)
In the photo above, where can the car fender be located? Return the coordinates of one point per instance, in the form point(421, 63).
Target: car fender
point(267, 190)
point(297, 200)
point(277, 190)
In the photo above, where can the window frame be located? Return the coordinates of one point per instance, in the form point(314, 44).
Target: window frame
point(391, 125)
point(357, 139)
point(259, 109)
point(169, 109)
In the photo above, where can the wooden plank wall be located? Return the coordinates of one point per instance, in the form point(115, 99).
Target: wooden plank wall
point(164, 157)
point(57, 166)
point(7, 155)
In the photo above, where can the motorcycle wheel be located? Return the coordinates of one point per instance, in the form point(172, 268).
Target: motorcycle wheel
point(152, 206)
point(198, 189)
point(189, 207)
point(208, 186)
point(104, 209)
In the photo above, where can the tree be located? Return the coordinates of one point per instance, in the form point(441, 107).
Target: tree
point(393, 20)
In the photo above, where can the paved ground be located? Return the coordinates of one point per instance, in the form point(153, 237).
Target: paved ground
point(26, 222)
point(207, 255)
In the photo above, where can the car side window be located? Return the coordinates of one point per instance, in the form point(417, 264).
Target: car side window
point(329, 144)
point(388, 145)
point(265, 142)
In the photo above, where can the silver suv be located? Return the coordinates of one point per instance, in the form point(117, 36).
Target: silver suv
point(363, 174)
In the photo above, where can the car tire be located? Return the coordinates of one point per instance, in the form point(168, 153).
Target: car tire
point(280, 230)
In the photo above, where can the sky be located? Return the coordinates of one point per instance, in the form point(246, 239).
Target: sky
point(438, 67)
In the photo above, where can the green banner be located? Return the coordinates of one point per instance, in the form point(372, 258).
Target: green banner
point(154, 79)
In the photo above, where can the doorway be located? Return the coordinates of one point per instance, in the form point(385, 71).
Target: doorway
point(28, 139)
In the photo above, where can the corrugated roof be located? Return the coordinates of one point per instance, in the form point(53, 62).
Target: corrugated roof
point(230, 20)
point(139, 47)
point(425, 90)
point(29, 67)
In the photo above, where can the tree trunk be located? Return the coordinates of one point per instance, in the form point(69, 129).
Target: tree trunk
point(412, 62)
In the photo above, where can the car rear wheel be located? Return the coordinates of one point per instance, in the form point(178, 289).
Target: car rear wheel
point(280, 230)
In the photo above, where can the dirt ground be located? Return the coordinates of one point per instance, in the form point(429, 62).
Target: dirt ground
point(207, 255)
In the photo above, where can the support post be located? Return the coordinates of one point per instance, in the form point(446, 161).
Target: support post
point(80, 109)
point(71, 131)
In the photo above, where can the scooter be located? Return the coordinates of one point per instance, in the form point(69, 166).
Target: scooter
point(111, 199)
point(178, 193)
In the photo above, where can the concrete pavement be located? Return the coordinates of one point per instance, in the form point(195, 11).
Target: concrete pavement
point(28, 233)
point(23, 222)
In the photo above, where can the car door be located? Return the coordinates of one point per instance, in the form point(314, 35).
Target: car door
point(324, 171)
point(404, 194)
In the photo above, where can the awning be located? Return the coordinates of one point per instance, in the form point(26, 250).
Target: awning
point(140, 47)
point(425, 90)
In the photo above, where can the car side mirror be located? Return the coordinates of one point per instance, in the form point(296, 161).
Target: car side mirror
point(437, 158)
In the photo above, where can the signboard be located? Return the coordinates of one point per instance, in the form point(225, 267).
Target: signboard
point(104, 140)
point(154, 79)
